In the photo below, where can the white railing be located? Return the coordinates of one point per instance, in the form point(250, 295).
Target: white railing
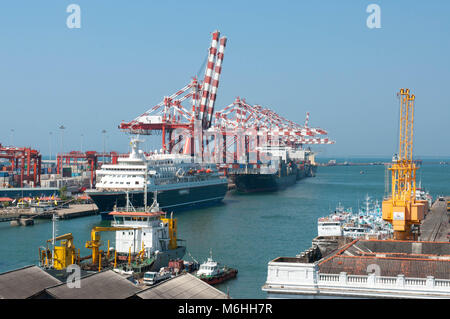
point(371, 281)
point(442, 283)
point(388, 281)
point(415, 282)
point(328, 277)
point(356, 279)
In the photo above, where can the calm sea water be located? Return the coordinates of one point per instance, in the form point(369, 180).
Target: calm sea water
point(247, 231)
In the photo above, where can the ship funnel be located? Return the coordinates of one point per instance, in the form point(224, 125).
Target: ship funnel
point(135, 151)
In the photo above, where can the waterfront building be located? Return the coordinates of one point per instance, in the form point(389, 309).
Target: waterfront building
point(364, 269)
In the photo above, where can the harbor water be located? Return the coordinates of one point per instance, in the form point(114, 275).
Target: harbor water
point(246, 231)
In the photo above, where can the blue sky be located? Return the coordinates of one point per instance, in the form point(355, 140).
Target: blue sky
point(291, 56)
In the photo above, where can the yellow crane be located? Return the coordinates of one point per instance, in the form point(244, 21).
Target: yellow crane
point(95, 243)
point(402, 209)
point(63, 255)
point(172, 224)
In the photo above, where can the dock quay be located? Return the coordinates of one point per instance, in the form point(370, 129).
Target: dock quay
point(23, 216)
point(436, 226)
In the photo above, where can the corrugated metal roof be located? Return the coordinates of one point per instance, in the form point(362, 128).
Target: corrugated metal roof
point(102, 285)
point(25, 282)
point(185, 286)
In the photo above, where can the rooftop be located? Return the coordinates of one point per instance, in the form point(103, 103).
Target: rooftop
point(411, 259)
point(102, 285)
point(184, 286)
point(25, 282)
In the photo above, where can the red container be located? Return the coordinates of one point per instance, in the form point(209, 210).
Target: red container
point(176, 264)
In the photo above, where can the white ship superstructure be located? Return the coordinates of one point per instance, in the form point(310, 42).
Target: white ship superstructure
point(161, 169)
point(179, 182)
point(151, 233)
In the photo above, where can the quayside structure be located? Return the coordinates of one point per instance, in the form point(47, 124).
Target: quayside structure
point(401, 208)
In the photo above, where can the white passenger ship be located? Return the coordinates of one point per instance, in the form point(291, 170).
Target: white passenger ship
point(179, 182)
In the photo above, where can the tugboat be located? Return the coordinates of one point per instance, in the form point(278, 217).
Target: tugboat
point(211, 273)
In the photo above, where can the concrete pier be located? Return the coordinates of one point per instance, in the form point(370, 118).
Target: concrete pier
point(26, 221)
point(75, 211)
point(435, 226)
point(26, 216)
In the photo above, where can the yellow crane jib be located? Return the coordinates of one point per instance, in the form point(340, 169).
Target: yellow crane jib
point(94, 244)
point(402, 209)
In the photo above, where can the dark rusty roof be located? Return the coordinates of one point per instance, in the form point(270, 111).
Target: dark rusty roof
point(185, 286)
point(405, 247)
point(412, 259)
point(414, 268)
point(25, 282)
point(102, 285)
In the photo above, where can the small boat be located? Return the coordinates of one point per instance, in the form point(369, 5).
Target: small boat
point(211, 273)
point(366, 223)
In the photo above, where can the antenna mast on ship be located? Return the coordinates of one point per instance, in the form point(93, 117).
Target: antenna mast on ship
point(145, 186)
point(128, 202)
point(55, 230)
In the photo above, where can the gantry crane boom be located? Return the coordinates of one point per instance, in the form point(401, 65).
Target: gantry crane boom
point(187, 120)
point(402, 209)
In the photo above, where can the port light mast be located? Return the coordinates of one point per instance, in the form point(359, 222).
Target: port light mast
point(402, 209)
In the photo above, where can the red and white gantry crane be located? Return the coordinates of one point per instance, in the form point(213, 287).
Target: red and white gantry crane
point(230, 134)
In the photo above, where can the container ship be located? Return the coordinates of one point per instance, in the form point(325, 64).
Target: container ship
point(285, 168)
point(178, 182)
point(304, 160)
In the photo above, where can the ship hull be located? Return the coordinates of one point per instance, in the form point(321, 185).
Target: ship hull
point(163, 258)
point(251, 183)
point(301, 173)
point(168, 200)
point(214, 280)
point(310, 170)
point(160, 259)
